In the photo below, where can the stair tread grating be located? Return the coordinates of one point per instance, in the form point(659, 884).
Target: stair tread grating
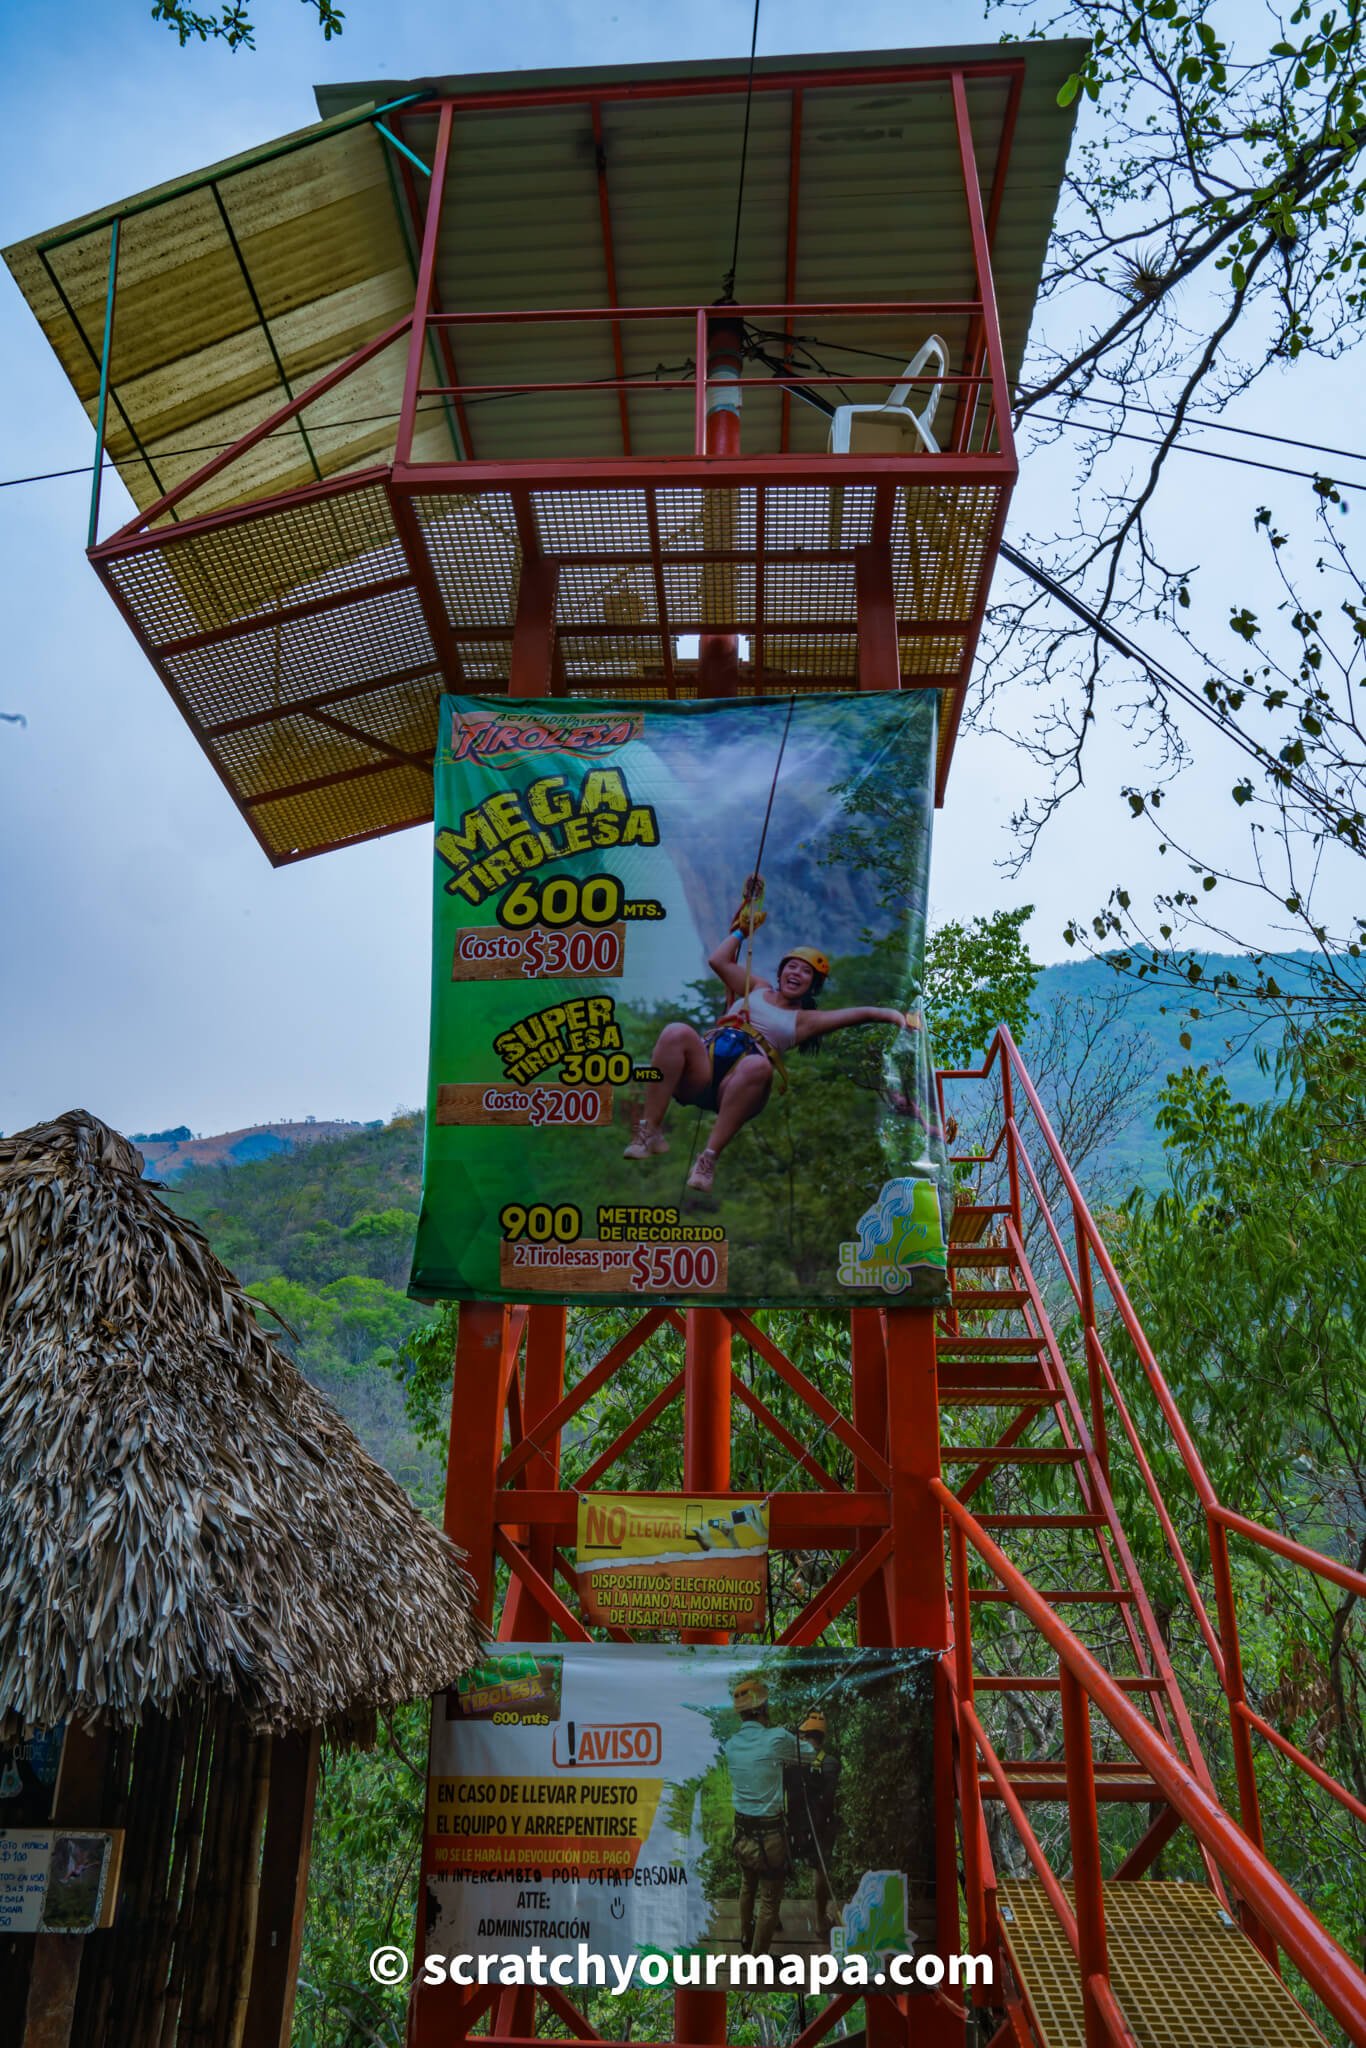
point(1183, 1976)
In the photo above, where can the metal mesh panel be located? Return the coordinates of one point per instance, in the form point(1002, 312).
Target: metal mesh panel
point(296, 658)
point(474, 549)
point(794, 591)
point(283, 753)
point(484, 664)
point(940, 549)
point(1184, 1976)
point(932, 657)
point(598, 595)
point(605, 657)
point(343, 811)
point(403, 715)
point(809, 516)
point(253, 691)
point(603, 523)
point(310, 548)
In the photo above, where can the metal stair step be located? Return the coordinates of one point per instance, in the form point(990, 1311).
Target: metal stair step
point(1078, 1521)
point(952, 1344)
point(1182, 1972)
point(989, 1298)
point(978, 1255)
point(997, 1454)
point(1046, 1778)
point(1009, 1374)
point(970, 1221)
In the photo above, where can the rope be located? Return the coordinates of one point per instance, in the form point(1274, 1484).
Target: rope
point(763, 836)
point(728, 283)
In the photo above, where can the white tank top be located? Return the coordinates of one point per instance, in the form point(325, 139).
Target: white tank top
point(778, 1025)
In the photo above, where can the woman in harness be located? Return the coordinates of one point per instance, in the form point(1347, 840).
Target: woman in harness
point(730, 1068)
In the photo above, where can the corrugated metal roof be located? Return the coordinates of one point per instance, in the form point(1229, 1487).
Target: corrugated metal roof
point(242, 284)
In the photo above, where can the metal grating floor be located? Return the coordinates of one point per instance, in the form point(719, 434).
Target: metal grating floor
point(1184, 1976)
point(299, 640)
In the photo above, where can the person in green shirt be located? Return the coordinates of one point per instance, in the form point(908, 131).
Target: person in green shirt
point(756, 1756)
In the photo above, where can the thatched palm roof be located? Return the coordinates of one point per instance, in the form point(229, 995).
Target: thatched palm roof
point(180, 1511)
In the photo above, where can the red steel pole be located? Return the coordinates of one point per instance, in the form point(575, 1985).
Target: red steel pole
point(700, 2016)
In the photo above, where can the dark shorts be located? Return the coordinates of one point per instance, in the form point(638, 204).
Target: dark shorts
point(726, 1047)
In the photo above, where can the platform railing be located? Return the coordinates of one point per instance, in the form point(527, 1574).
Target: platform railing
point(977, 426)
point(1273, 1913)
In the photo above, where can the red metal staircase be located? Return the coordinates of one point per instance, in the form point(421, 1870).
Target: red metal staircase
point(1092, 1956)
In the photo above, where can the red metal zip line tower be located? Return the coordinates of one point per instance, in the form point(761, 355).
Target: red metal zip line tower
point(437, 396)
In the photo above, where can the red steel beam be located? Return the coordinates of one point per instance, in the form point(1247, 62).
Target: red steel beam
point(444, 342)
point(422, 296)
point(270, 425)
point(825, 78)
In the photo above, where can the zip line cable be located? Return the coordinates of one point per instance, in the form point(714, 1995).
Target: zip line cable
point(757, 869)
point(728, 282)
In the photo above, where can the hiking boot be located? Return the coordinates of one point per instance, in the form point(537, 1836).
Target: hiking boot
point(703, 1172)
point(648, 1139)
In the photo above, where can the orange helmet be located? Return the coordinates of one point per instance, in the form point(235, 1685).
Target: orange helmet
point(817, 961)
point(814, 1724)
point(748, 1694)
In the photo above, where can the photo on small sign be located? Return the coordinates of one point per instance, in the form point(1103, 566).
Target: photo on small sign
point(76, 1881)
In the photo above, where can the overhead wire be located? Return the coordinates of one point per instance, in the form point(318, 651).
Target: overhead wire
point(372, 419)
point(728, 282)
point(1194, 419)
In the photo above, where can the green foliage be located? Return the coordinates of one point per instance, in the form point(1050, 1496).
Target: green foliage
point(362, 1886)
point(978, 975)
point(233, 25)
point(1247, 1277)
point(322, 1237)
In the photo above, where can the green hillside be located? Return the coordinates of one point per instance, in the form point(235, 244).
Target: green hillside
point(324, 1237)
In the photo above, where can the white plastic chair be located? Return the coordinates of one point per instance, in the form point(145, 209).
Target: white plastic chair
point(893, 428)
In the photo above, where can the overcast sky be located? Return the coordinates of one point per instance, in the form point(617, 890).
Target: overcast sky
point(156, 969)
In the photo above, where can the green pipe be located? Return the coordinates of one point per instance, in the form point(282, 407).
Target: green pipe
point(320, 133)
point(104, 383)
point(401, 147)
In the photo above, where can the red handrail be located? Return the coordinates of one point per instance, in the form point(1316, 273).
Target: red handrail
point(1273, 1911)
point(1323, 1962)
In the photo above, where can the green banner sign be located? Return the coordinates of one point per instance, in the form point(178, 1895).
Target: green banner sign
point(677, 1045)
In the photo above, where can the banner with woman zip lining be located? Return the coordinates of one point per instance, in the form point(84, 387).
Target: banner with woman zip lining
point(678, 1050)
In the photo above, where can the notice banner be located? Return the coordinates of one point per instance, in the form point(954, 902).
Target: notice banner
point(678, 1050)
point(675, 1799)
point(653, 1561)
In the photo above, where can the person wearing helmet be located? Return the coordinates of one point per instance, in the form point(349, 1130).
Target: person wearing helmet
point(730, 1068)
point(812, 1788)
point(756, 1756)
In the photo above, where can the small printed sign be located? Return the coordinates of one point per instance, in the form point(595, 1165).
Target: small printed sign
point(655, 1561)
point(58, 1880)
